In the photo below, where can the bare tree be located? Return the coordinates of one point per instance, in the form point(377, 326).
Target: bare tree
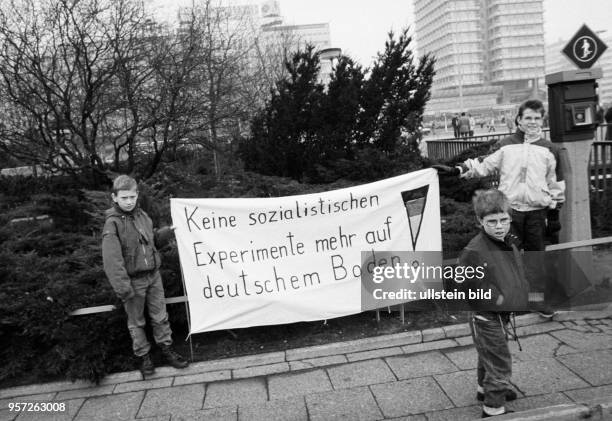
point(57, 68)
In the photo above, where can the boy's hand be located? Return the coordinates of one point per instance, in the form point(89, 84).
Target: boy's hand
point(128, 295)
point(445, 170)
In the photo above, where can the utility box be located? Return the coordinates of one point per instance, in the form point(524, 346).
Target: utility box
point(572, 102)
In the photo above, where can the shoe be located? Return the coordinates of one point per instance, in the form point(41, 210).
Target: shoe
point(146, 365)
point(485, 415)
point(510, 395)
point(173, 358)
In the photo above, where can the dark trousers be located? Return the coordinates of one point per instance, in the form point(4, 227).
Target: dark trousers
point(494, 360)
point(529, 227)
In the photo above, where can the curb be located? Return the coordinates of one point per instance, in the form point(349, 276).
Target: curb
point(594, 410)
point(445, 337)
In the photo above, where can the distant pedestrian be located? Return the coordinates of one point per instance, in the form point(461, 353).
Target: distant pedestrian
point(464, 125)
point(492, 124)
point(455, 124)
point(472, 125)
point(510, 125)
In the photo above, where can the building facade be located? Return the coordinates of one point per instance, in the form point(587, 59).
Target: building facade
point(489, 53)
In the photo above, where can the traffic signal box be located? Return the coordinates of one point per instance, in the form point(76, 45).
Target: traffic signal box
point(572, 101)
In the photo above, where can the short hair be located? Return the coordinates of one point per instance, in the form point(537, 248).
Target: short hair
point(462, 113)
point(124, 182)
point(488, 202)
point(532, 104)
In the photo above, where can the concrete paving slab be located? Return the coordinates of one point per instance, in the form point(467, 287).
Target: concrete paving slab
point(433, 334)
point(419, 365)
point(367, 344)
point(72, 407)
point(126, 376)
point(234, 363)
point(227, 413)
point(42, 397)
point(347, 404)
point(260, 370)
point(360, 374)
point(456, 414)
point(235, 392)
point(455, 331)
point(583, 340)
point(290, 409)
point(465, 340)
point(544, 376)
point(143, 385)
point(292, 384)
point(409, 397)
point(158, 418)
point(534, 348)
point(172, 399)
point(419, 417)
point(375, 353)
point(538, 328)
point(37, 389)
point(582, 395)
point(206, 377)
point(429, 346)
point(531, 402)
point(85, 393)
point(117, 407)
point(6, 415)
point(317, 362)
point(464, 358)
point(459, 386)
point(595, 366)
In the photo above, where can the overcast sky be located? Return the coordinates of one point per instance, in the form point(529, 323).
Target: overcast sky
point(360, 27)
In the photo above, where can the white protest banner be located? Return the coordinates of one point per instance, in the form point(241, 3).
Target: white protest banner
point(250, 262)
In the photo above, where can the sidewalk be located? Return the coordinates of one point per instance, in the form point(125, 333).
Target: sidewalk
point(565, 368)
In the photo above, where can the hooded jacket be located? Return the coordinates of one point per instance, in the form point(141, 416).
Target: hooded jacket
point(129, 248)
point(528, 172)
point(504, 274)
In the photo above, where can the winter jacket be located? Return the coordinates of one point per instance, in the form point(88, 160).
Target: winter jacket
point(464, 124)
point(129, 248)
point(504, 273)
point(528, 172)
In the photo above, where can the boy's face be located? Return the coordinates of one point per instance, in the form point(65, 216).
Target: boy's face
point(496, 225)
point(531, 121)
point(126, 199)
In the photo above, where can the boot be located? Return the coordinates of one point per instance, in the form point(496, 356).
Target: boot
point(173, 358)
point(146, 365)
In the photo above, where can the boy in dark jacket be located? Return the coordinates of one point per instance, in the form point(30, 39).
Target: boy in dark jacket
point(503, 275)
point(131, 263)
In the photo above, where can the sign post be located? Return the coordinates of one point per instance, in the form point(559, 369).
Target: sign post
point(572, 101)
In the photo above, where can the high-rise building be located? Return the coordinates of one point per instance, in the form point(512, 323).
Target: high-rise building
point(556, 61)
point(489, 53)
